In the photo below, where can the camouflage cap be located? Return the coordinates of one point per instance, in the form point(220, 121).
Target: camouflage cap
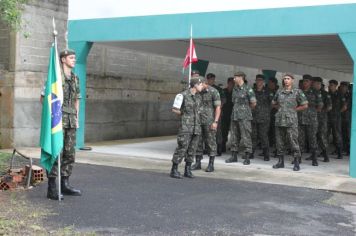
point(273, 80)
point(210, 76)
point(332, 81)
point(307, 77)
point(196, 80)
point(344, 83)
point(195, 72)
point(260, 76)
point(66, 52)
point(317, 79)
point(240, 74)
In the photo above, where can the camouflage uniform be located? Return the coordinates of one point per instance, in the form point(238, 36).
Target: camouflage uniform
point(210, 99)
point(241, 119)
point(334, 118)
point(261, 118)
point(346, 123)
point(219, 138)
point(189, 129)
point(286, 119)
point(71, 92)
point(272, 129)
point(226, 112)
point(308, 125)
point(322, 134)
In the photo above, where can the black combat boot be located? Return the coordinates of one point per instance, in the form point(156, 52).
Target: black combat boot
point(52, 192)
point(325, 155)
point(247, 158)
point(233, 157)
point(266, 154)
point(299, 159)
point(210, 167)
point(219, 150)
point(314, 160)
point(67, 189)
point(296, 166)
point(197, 164)
point(339, 153)
point(174, 172)
point(187, 170)
point(280, 163)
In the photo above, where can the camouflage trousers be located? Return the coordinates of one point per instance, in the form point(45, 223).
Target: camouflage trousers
point(67, 155)
point(225, 127)
point(287, 137)
point(322, 134)
point(335, 126)
point(241, 136)
point(208, 137)
point(307, 133)
point(346, 130)
point(219, 134)
point(260, 132)
point(187, 146)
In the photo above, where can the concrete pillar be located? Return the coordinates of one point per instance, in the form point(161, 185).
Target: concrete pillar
point(349, 40)
point(82, 50)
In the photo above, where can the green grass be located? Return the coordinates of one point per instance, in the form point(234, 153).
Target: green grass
point(4, 162)
point(19, 217)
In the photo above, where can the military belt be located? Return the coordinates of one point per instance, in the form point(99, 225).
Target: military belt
point(69, 110)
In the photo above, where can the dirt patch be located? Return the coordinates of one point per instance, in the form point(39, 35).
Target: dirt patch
point(19, 217)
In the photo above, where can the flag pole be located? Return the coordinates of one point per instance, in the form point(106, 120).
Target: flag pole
point(55, 33)
point(190, 54)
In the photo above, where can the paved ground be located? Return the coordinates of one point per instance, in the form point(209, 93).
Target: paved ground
point(162, 148)
point(119, 201)
point(154, 154)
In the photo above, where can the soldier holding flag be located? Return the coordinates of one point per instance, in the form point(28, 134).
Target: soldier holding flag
point(60, 100)
point(70, 113)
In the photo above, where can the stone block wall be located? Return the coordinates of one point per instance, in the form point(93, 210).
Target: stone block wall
point(129, 93)
point(23, 70)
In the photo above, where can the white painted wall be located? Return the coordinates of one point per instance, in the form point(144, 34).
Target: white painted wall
point(84, 9)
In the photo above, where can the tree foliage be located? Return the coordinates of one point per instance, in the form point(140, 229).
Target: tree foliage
point(11, 11)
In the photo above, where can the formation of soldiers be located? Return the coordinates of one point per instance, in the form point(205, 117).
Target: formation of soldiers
point(289, 120)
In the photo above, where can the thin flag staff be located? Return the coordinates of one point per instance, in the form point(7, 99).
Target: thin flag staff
point(191, 55)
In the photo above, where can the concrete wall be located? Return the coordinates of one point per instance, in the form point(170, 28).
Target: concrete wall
point(26, 72)
point(130, 94)
point(4, 46)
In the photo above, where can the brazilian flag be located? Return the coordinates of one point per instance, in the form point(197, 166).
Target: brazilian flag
point(51, 140)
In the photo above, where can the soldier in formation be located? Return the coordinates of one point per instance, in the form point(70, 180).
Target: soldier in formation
point(244, 101)
point(288, 101)
point(339, 105)
point(308, 123)
point(226, 112)
point(322, 132)
point(261, 117)
point(299, 118)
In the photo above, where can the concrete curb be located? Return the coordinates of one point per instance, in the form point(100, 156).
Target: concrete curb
point(234, 171)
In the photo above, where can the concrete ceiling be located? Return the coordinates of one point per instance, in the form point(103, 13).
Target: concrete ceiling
point(322, 55)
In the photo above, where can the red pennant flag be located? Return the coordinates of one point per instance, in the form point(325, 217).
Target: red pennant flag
point(191, 55)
